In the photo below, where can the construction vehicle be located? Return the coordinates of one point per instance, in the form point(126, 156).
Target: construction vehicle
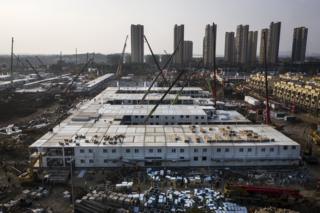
point(31, 175)
point(315, 136)
point(307, 154)
point(269, 194)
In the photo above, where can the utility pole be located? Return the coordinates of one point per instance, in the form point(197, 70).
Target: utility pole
point(267, 116)
point(71, 180)
point(11, 61)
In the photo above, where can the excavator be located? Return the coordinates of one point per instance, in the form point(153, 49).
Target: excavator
point(31, 174)
point(315, 136)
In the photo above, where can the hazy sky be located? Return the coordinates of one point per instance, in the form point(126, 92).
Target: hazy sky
point(48, 26)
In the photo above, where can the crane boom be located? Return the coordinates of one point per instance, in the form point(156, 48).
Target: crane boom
point(157, 76)
point(165, 94)
point(78, 74)
point(34, 69)
point(18, 60)
point(155, 60)
point(40, 61)
point(119, 69)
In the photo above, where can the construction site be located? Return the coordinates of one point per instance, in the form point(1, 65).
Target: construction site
point(158, 133)
point(95, 140)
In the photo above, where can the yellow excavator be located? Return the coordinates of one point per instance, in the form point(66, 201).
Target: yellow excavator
point(315, 136)
point(29, 176)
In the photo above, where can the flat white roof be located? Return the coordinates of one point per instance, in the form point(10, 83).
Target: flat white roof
point(164, 135)
point(99, 79)
point(99, 123)
point(146, 109)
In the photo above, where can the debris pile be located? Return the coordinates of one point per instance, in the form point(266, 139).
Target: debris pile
point(124, 185)
point(186, 180)
point(28, 195)
point(179, 201)
point(10, 130)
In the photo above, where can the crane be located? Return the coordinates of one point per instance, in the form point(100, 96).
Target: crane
point(165, 94)
point(119, 69)
point(18, 60)
point(86, 65)
point(165, 52)
point(40, 61)
point(34, 69)
point(157, 76)
point(174, 101)
point(156, 61)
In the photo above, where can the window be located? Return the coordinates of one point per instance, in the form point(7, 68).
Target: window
point(195, 158)
point(204, 150)
point(141, 116)
point(91, 161)
point(187, 116)
point(241, 150)
point(226, 150)
point(114, 151)
point(81, 150)
point(136, 116)
point(195, 150)
point(173, 150)
point(271, 149)
point(197, 117)
point(105, 160)
point(285, 147)
point(293, 147)
point(204, 158)
point(263, 149)
point(202, 117)
point(105, 151)
point(182, 150)
point(157, 116)
point(172, 117)
point(127, 150)
point(151, 150)
point(249, 149)
point(159, 150)
point(82, 161)
point(218, 150)
point(136, 150)
point(90, 150)
point(181, 116)
point(181, 158)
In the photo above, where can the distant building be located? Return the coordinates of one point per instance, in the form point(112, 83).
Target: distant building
point(273, 42)
point(187, 51)
point(263, 45)
point(209, 44)
point(299, 44)
point(229, 48)
point(137, 44)
point(178, 36)
point(242, 44)
point(252, 47)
